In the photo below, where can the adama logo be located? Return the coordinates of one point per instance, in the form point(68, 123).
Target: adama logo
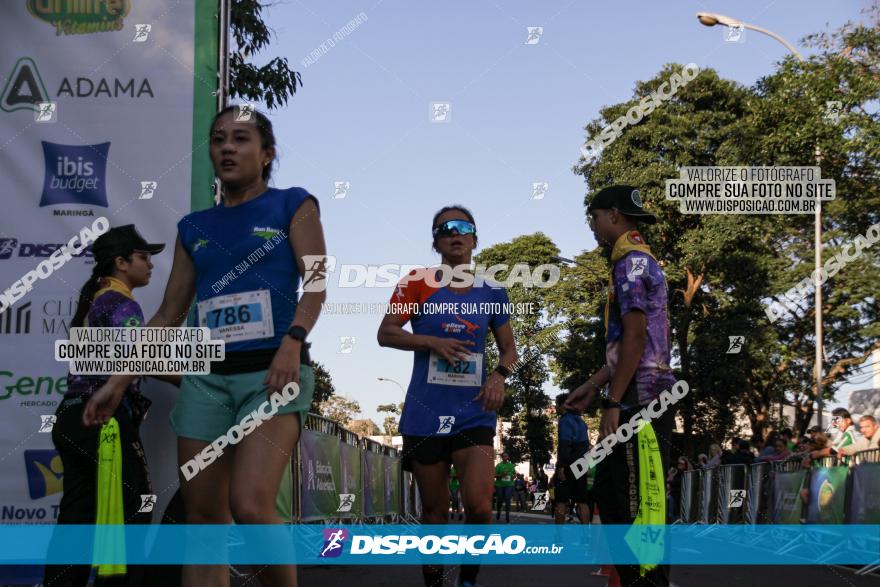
point(25, 89)
point(75, 174)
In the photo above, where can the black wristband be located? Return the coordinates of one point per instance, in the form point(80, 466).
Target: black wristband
point(503, 371)
point(608, 404)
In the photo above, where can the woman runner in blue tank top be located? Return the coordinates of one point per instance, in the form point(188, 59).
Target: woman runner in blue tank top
point(242, 261)
point(449, 413)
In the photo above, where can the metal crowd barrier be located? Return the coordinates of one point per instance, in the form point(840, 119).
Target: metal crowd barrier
point(708, 499)
point(839, 490)
point(341, 476)
point(687, 506)
point(758, 483)
point(730, 501)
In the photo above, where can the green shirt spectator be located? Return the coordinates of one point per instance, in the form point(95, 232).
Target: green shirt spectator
point(504, 472)
point(454, 483)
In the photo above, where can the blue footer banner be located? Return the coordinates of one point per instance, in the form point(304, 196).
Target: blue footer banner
point(309, 544)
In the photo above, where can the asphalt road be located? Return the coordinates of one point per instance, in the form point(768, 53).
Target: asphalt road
point(568, 575)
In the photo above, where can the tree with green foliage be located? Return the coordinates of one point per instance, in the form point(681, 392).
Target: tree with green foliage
point(323, 387)
point(340, 409)
point(722, 269)
point(391, 421)
point(272, 83)
point(525, 402)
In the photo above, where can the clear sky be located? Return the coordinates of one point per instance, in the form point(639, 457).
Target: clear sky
point(517, 117)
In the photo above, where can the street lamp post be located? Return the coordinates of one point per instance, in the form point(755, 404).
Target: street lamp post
point(394, 382)
point(712, 19)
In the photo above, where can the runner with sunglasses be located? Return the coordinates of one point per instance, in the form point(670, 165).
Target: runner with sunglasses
point(449, 413)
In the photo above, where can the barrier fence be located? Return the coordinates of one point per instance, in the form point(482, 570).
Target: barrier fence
point(831, 491)
point(342, 476)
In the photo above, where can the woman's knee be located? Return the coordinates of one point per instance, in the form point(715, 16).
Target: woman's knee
point(254, 508)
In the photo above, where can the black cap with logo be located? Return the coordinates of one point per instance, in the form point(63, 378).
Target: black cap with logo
point(625, 198)
point(122, 241)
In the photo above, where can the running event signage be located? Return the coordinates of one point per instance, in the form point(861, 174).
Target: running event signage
point(319, 475)
point(104, 113)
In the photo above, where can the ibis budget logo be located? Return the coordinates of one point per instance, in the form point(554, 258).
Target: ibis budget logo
point(75, 174)
point(45, 472)
point(81, 17)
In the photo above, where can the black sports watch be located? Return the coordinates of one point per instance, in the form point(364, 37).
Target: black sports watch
point(297, 333)
point(608, 404)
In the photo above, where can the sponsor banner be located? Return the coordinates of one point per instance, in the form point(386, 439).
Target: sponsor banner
point(101, 121)
point(827, 495)
point(393, 466)
point(864, 507)
point(787, 503)
point(351, 471)
point(319, 475)
point(374, 484)
point(389, 544)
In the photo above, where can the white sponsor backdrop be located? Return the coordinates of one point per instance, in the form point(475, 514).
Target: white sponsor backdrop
point(124, 116)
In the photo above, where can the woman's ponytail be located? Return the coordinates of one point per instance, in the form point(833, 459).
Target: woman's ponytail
point(89, 289)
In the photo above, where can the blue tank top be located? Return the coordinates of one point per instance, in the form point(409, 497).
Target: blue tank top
point(246, 274)
point(440, 397)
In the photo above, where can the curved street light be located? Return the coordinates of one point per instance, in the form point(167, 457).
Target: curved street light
point(394, 382)
point(712, 19)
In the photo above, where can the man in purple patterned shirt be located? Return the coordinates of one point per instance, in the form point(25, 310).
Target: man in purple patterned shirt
point(637, 368)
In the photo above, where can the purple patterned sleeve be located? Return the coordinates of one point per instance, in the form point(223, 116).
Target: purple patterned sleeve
point(631, 276)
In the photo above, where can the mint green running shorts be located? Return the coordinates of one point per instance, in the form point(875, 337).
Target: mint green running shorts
point(209, 405)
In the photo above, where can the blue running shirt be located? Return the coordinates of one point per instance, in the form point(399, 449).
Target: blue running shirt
point(246, 274)
point(440, 396)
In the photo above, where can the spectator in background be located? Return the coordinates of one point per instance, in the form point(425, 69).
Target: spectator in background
point(788, 437)
point(714, 456)
point(573, 443)
point(519, 491)
point(702, 461)
point(819, 442)
point(504, 472)
point(869, 439)
point(543, 482)
point(840, 419)
point(742, 456)
point(455, 494)
point(780, 451)
point(770, 447)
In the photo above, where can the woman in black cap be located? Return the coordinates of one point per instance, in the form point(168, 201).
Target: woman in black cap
point(122, 263)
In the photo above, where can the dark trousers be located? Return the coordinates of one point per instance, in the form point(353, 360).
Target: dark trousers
point(77, 445)
point(504, 494)
point(616, 491)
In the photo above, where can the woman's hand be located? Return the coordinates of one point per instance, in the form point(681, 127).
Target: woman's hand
point(285, 366)
point(492, 392)
point(102, 405)
point(451, 349)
